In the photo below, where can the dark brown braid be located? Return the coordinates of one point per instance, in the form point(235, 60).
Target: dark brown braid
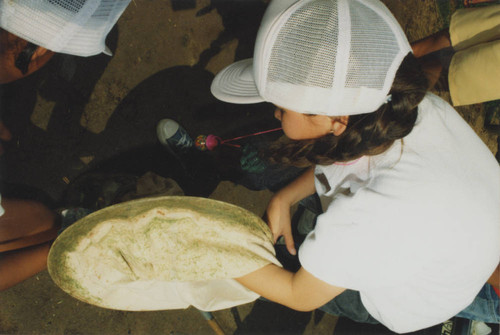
point(366, 134)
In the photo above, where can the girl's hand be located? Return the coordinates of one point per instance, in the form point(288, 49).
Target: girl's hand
point(279, 221)
point(278, 210)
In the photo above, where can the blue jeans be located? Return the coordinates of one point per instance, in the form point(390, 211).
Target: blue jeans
point(485, 306)
point(348, 304)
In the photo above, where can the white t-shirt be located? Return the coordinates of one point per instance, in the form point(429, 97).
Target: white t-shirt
point(416, 229)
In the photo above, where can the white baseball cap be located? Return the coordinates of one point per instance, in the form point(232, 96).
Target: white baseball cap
point(76, 27)
point(327, 57)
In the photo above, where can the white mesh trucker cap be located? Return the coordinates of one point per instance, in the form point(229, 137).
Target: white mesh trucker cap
point(328, 57)
point(76, 27)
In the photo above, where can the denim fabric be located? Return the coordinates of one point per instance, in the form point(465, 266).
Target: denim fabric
point(307, 212)
point(273, 177)
point(349, 305)
point(259, 174)
point(485, 307)
point(312, 203)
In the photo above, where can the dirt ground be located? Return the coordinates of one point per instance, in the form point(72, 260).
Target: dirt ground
point(98, 115)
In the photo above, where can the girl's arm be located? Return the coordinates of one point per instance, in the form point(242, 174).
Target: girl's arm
point(300, 291)
point(278, 210)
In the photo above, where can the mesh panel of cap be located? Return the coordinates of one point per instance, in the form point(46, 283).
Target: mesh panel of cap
point(298, 55)
point(372, 50)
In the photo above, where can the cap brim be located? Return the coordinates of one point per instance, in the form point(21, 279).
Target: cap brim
point(236, 84)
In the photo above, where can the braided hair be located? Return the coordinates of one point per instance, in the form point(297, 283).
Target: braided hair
point(365, 134)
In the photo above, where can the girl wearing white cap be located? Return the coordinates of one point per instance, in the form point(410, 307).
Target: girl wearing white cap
point(410, 229)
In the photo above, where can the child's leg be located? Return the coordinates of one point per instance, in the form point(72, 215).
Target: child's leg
point(24, 218)
point(26, 231)
point(19, 265)
point(432, 43)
